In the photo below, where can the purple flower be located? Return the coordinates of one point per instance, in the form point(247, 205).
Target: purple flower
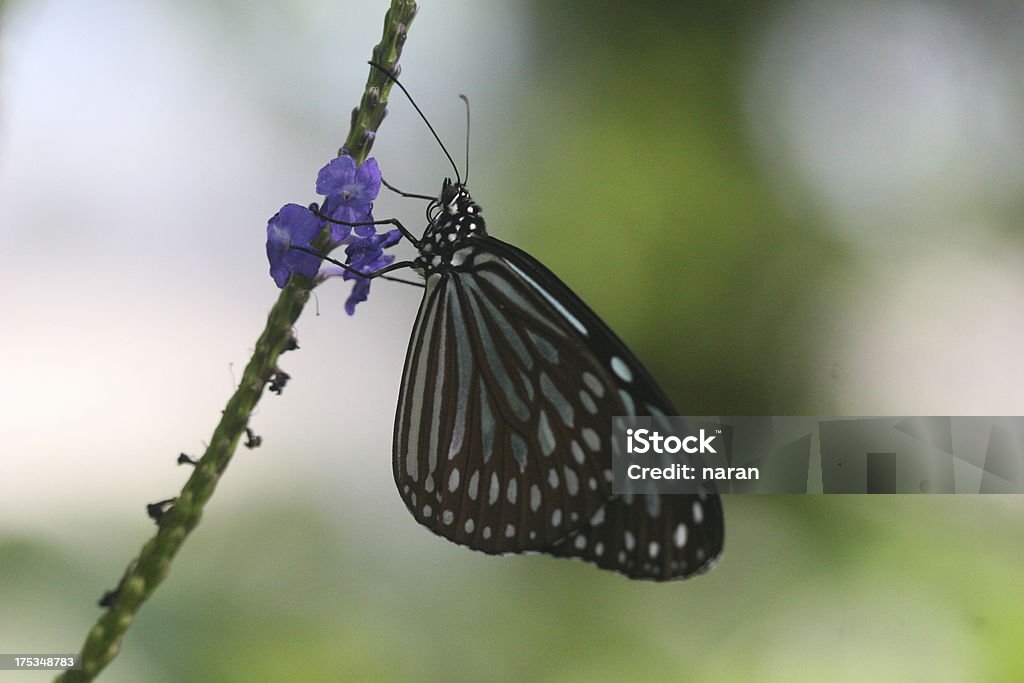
point(350, 191)
point(292, 225)
point(366, 254)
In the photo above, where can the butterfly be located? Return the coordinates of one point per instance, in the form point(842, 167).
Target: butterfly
point(502, 438)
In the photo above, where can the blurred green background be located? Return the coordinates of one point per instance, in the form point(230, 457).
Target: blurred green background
point(784, 208)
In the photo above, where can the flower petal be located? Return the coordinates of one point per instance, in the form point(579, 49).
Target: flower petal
point(368, 178)
point(333, 177)
point(360, 291)
point(292, 225)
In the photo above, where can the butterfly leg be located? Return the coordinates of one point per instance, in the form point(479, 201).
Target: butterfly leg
point(369, 276)
point(409, 195)
point(389, 221)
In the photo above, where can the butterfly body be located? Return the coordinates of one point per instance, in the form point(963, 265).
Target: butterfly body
point(456, 220)
point(502, 436)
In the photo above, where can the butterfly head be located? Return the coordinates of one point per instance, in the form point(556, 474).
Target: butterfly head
point(455, 199)
point(455, 219)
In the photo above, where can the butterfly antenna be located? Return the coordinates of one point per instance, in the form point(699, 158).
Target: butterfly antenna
point(466, 100)
point(415, 106)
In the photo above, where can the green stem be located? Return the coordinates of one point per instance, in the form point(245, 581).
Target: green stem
point(154, 561)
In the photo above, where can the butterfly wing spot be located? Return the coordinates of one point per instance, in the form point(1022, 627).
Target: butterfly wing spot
point(599, 549)
point(591, 438)
point(627, 402)
point(679, 536)
point(428, 483)
point(653, 549)
point(553, 478)
point(630, 540)
point(534, 498)
point(427, 510)
point(545, 436)
point(528, 385)
point(622, 370)
point(653, 506)
point(486, 532)
point(594, 384)
point(447, 517)
point(545, 347)
point(557, 400)
point(577, 453)
point(487, 426)
point(453, 480)
point(556, 518)
point(510, 531)
point(511, 492)
point(588, 402)
point(580, 542)
point(492, 493)
point(519, 450)
point(469, 525)
point(572, 482)
point(698, 512)
point(474, 485)
point(592, 484)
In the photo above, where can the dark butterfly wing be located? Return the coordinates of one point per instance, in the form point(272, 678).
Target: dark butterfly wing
point(657, 537)
point(503, 431)
point(491, 450)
